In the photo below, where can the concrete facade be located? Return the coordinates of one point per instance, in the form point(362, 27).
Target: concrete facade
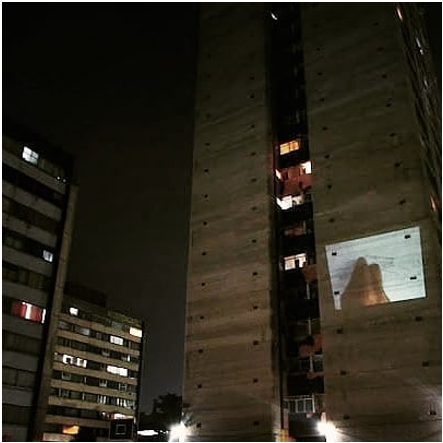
point(373, 137)
point(36, 196)
point(94, 373)
point(231, 378)
point(383, 362)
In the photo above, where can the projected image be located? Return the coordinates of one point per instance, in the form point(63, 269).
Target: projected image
point(378, 269)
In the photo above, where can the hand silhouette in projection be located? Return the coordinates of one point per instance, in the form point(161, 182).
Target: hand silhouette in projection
point(365, 288)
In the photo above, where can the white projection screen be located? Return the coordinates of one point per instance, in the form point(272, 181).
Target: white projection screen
point(378, 269)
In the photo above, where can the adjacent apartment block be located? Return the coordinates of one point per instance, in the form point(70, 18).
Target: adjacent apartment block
point(314, 285)
point(96, 371)
point(37, 203)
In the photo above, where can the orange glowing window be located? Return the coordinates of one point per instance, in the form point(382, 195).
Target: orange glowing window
point(288, 147)
point(70, 430)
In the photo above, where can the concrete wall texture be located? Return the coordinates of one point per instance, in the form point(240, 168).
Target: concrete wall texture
point(382, 363)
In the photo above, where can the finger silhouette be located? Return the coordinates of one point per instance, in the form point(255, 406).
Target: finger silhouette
point(365, 287)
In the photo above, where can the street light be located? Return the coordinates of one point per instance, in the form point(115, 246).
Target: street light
point(327, 429)
point(178, 433)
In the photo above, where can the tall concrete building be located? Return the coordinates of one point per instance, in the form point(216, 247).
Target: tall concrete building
point(38, 206)
point(314, 296)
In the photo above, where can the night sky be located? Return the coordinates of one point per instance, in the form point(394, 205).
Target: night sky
point(114, 85)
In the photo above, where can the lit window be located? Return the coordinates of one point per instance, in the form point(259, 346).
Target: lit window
point(399, 13)
point(117, 370)
point(285, 203)
point(48, 256)
point(29, 155)
point(136, 332)
point(116, 340)
point(295, 261)
point(420, 48)
point(73, 311)
point(103, 383)
point(28, 311)
point(76, 361)
point(285, 148)
point(70, 430)
point(102, 399)
point(305, 168)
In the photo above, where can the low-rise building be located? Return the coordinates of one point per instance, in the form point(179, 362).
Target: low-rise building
point(96, 373)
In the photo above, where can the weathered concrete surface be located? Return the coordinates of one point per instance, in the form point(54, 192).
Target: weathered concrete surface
point(231, 380)
point(383, 367)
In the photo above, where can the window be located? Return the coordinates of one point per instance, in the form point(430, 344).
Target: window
point(64, 325)
point(120, 429)
point(136, 332)
point(285, 203)
point(304, 405)
point(102, 399)
point(66, 376)
point(29, 155)
point(81, 330)
point(117, 370)
point(305, 168)
point(420, 48)
point(116, 340)
point(286, 148)
point(296, 230)
point(48, 256)
point(73, 311)
point(75, 361)
point(290, 201)
point(295, 261)
point(27, 311)
point(103, 383)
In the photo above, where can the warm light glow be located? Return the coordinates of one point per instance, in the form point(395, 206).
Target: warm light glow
point(178, 433)
point(327, 429)
point(285, 203)
point(295, 261)
point(278, 174)
point(136, 332)
point(147, 433)
point(285, 148)
point(400, 15)
point(71, 430)
point(306, 167)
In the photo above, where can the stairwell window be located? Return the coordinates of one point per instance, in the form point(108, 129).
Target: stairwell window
point(286, 148)
point(295, 261)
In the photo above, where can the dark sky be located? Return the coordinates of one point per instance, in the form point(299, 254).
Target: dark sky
point(114, 84)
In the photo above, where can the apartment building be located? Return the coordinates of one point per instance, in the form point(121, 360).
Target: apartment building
point(314, 282)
